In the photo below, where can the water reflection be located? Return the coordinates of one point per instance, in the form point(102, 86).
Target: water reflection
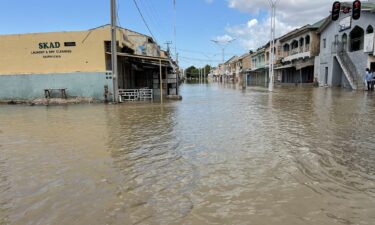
point(5, 202)
point(221, 156)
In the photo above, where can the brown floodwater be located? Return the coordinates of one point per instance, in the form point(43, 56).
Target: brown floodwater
point(220, 156)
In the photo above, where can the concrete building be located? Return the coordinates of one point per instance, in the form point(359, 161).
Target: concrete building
point(276, 61)
point(244, 65)
point(259, 74)
point(347, 48)
point(80, 62)
point(298, 51)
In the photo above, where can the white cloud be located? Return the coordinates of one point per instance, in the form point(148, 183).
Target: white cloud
point(255, 34)
point(224, 39)
point(290, 15)
point(291, 12)
point(252, 23)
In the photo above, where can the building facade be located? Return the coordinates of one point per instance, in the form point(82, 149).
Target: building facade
point(259, 74)
point(299, 49)
point(347, 49)
point(80, 62)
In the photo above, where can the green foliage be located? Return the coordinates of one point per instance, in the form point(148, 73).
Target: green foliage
point(193, 72)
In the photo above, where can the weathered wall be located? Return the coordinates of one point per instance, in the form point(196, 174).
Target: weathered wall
point(27, 53)
point(26, 87)
point(246, 62)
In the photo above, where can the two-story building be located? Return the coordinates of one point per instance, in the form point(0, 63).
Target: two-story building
point(244, 67)
point(347, 48)
point(258, 74)
point(298, 51)
point(276, 60)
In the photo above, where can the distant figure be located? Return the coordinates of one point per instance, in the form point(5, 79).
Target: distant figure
point(368, 79)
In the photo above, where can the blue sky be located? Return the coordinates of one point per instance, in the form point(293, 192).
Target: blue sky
point(198, 22)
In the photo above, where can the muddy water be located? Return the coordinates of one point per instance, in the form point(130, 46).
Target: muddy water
point(221, 156)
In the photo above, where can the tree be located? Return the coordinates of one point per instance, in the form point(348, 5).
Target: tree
point(192, 72)
point(207, 68)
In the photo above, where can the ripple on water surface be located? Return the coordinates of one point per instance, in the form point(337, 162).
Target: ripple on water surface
point(221, 156)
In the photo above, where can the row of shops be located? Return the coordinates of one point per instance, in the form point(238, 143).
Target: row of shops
point(327, 53)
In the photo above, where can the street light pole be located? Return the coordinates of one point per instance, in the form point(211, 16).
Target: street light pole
point(114, 49)
point(223, 45)
point(273, 4)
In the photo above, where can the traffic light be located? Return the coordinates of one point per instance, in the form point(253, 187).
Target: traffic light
point(357, 5)
point(336, 8)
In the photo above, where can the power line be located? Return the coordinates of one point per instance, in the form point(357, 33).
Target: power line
point(199, 59)
point(144, 20)
point(204, 52)
point(154, 14)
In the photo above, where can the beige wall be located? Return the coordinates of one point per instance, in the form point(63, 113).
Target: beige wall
point(246, 62)
point(21, 54)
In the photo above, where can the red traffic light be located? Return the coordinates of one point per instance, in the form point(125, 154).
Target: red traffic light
point(357, 7)
point(336, 8)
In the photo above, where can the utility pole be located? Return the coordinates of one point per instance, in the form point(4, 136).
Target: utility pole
point(175, 30)
point(204, 73)
point(223, 45)
point(168, 43)
point(273, 4)
point(114, 49)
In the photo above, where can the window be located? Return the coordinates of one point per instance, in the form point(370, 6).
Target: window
point(324, 43)
point(336, 39)
point(307, 39)
point(344, 41)
point(369, 30)
point(356, 39)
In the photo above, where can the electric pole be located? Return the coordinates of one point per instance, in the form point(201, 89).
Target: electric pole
point(273, 4)
point(114, 49)
point(223, 45)
point(168, 43)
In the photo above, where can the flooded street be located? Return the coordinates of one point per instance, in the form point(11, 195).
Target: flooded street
point(220, 156)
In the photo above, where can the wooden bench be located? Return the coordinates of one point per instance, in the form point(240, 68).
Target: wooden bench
point(48, 92)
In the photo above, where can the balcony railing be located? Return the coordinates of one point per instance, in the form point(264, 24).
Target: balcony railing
point(294, 51)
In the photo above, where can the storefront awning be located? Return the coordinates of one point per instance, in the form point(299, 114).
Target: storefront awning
point(307, 63)
point(147, 59)
point(284, 67)
point(258, 69)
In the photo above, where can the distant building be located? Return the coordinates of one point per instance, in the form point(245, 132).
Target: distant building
point(81, 63)
point(259, 73)
point(347, 48)
point(244, 64)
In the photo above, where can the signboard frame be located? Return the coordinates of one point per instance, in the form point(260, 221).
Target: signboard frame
point(345, 23)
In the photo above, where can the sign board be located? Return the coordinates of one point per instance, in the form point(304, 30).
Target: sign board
point(369, 43)
point(53, 50)
point(345, 23)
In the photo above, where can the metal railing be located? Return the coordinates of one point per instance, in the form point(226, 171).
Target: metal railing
point(142, 94)
point(339, 49)
point(146, 94)
point(128, 94)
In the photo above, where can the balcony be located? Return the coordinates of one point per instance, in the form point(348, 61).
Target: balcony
point(298, 53)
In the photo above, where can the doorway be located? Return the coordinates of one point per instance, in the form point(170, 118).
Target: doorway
point(372, 66)
point(326, 76)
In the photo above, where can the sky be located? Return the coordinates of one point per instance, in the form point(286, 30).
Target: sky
point(198, 22)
